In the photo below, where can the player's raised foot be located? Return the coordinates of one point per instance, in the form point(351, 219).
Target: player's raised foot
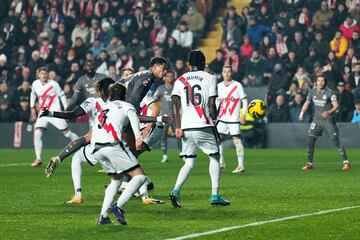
point(104, 220)
point(238, 169)
point(346, 166)
point(52, 165)
point(164, 159)
point(217, 200)
point(175, 198)
point(75, 200)
point(149, 200)
point(36, 163)
point(308, 167)
point(119, 214)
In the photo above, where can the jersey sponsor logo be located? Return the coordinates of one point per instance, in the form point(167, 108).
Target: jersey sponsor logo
point(198, 108)
point(319, 103)
point(228, 100)
point(109, 128)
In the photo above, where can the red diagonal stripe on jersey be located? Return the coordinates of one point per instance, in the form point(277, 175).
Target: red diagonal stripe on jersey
point(231, 110)
point(50, 102)
point(44, 96)
point(198, 109)
point(224, 110)
point(107, 127)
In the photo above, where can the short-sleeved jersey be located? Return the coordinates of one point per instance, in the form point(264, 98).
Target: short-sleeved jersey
point(89, 106)
point(138, 86)
point(110, 120)
point(144, 107)
point(229, 101)
point(48, 94)
point(322, 101)
point(163, 94)
point(85, 85)
point(194, 89)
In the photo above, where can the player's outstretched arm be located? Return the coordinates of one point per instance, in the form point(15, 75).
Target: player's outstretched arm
point(303, 110)
point(65, 115)
point(148, 119)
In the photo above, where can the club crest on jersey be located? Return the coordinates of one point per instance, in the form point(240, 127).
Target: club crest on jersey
point(146, 82)
point(324, 97)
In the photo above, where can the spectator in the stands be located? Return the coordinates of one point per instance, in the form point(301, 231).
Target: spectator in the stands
point(180, 67)
point(256, 31)
point(265, 17)
point(5, 93)
point(184, 38)
point(195, 21)
point(23, 110)
point(279, 82)
point(173, 20)
point(299, 46)
point(281, 46)
point(346, 101)
point(233, 60)
point(7, 114)
point(355, 41)
point(301, 77)
point(115, 48)
point(278, 112)
point(159, 33)
point(340, 14)
point(246, 48)
point(173, 51)
point(320, 45)
point(322, 14)
point(339, 44)
point(311, 60)
point(232, 14)
point(348, 27)
point(295, 110)
point(217, 64)
point(354, 78)
point(356, 113)
point(254, 70)
point(232, 34)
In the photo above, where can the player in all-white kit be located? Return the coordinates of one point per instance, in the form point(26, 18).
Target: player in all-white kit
point(195, 94)
point(47, 92)
point(231, 97)
point(107, 147)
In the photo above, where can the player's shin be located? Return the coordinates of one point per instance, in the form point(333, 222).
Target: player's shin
point(214, 171)
point(76, 172)
point(239, 152)
point(110, 193)
point(221, 150)
point(38, 144)
point(310, 149)
point(72, 147)
point(184, 172)
point(130, 189)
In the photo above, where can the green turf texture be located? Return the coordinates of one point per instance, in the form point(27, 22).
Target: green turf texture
point(273, 186)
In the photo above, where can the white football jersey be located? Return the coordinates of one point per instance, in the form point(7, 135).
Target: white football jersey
point(195, 89)
point(229, 101)
point(110, 120)
point(89, 106)
point(144, 107)
point(48, 94)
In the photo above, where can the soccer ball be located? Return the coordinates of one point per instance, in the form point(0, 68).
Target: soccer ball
point(257, 109)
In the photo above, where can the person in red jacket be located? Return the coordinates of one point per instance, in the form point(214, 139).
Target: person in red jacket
point(246, 48)
point(348, 27)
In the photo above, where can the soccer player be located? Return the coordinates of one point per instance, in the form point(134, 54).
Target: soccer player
point(194, 94)
point(163, 94)
point(47, 92)
point(325, 105)
point(107, 146)
point(231, 98)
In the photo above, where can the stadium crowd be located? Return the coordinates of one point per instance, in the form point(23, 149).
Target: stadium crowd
point(281, 44)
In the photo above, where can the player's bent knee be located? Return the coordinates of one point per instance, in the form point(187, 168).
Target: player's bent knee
point(136, 171)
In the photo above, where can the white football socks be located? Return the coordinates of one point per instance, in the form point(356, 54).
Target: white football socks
point(221, 151)
point(38, 144)
point(110, 193)
point(76, 172)
point(184, 172)
point(214, 171)
point(239, 152)
point(130, 189)
point(144, 191)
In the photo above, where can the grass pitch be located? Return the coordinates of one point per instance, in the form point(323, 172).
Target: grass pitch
point(274, 186)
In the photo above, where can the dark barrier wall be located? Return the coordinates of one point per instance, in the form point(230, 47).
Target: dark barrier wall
point(279, 135)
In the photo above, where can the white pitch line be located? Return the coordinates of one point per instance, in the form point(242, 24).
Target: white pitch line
point(262, 223)
point(14, 164)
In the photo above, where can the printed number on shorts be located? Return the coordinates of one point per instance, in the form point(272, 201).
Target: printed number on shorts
point(193, 96)
point(312, 125)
